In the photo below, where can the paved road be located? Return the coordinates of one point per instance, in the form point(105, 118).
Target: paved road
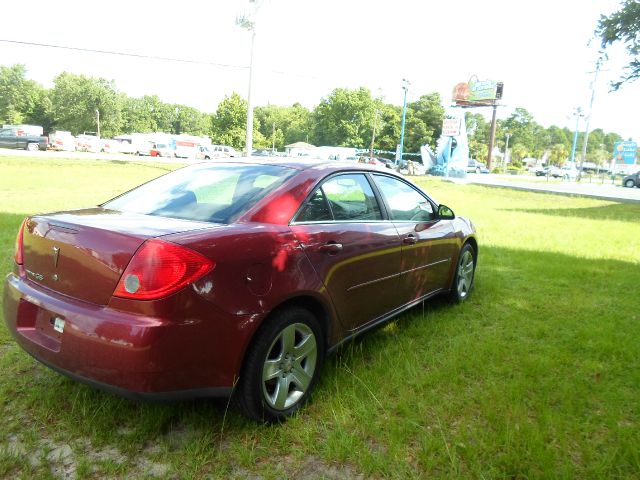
point(605, 191)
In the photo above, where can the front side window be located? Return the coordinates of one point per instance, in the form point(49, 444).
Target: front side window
point(405, 202)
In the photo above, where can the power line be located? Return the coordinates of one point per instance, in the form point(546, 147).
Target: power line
point(125, 54)
point(150, 57)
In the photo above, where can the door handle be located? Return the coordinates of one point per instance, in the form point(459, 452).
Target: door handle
point(410, 239)
point(330, 247)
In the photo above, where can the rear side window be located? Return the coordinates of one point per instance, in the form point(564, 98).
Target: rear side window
point(316, 209)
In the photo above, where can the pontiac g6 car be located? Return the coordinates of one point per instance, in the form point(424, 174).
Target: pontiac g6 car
point(231, 278)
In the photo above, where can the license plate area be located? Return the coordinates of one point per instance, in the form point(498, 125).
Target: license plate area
point(40, 326)
point(49, 324)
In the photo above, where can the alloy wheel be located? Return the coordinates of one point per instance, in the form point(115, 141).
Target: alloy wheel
point(289, 366)
point(465, 273)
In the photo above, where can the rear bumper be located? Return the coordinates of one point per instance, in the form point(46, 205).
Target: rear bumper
point(197, 354)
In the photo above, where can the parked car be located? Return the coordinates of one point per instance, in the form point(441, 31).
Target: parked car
point(632, 180)
point(225, 150)
point(207, 152)
point(568, 172)
point(474, 166)
point(229, 276)
point(162, 150)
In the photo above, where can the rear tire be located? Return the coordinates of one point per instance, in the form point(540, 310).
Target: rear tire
point(629, 184)
point(32, 147)
point(465, 272)
point(281, 367)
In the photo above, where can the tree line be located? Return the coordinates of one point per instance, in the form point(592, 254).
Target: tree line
point(345, 117)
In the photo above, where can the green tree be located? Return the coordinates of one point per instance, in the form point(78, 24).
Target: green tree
point(388, 127)
point(22, 100)
point(75, 99)
point(229, 124)
point(427, 114)
point(345, 118)
point(558, 154)
point(190, 120)
point(285, 125)
point(623, 26)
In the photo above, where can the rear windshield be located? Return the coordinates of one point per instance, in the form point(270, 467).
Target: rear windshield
point(212, 193)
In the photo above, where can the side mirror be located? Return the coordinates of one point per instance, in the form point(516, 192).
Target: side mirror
point(445, 213)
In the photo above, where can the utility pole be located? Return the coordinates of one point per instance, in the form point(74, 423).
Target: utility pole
point(247, 23)
point(98, 121)
point(405, 87)
point(506, 149)
point(577, 113)
point(586, 128)
point(373, 134)
point(273, 137)
point(492, 136)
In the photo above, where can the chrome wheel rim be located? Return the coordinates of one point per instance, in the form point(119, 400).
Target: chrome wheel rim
point(465, 273)
point(289, 366)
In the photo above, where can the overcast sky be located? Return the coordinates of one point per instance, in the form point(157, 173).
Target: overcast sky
point(540, 49)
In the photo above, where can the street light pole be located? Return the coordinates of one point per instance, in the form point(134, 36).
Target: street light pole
point(405, 87)
point(98, 121)
point(249, 139)
point(586, 128)
point(577, 114)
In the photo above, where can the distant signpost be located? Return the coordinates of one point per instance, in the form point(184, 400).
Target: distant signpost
point(625, 153)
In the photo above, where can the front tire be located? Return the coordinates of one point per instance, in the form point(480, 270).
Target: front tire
point(281, 367)
point(465, 273)
point(629, 184)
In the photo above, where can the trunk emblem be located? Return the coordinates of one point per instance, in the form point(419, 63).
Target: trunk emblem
point(56, 252)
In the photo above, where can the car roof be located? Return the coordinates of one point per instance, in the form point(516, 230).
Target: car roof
point(304, 163)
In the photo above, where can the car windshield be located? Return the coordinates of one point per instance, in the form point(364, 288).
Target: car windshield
point(212, 193)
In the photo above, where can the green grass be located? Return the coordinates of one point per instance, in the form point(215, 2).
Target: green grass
point(536, 376)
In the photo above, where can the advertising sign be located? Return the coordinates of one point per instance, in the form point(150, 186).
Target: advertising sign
point(482, 92)
point(451, 127)
point(624, 153)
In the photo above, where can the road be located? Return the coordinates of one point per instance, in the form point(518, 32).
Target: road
point(595, 189)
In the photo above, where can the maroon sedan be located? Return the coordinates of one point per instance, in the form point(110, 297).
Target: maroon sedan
point(236, 276)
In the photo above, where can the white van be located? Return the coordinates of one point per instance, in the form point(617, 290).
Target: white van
point(224, 150)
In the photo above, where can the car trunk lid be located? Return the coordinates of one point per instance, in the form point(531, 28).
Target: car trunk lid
point(83, 253)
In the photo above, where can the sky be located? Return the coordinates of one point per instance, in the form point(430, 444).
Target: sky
point(544, 51)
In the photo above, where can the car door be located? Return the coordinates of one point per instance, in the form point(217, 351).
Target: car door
point(7, 139)
point(353, 250)
point(428, 244)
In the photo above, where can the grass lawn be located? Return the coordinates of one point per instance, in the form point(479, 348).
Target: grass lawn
point(536, 376)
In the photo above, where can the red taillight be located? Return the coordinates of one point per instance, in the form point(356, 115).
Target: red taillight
point(159, 269)
point(19, 253)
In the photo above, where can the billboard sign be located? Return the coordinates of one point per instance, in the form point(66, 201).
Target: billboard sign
point(625, 153)
point(477, 92)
